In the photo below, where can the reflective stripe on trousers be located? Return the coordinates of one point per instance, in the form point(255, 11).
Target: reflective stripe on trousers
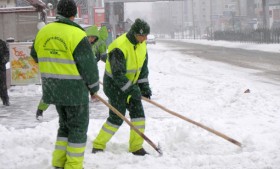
point(135, 140)
point(68, 155)
point(105, 134)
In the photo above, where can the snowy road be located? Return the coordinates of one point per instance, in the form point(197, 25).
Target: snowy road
point(209, 92)
point(23, 114)
point(265, 61)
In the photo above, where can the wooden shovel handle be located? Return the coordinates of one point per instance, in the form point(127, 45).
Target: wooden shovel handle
point(194, 122)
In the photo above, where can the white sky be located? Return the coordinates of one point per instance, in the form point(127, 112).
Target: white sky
point(138, 10)
point(208, 92)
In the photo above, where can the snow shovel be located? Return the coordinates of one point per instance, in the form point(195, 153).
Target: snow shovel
point(129, 123)
point(194, 122)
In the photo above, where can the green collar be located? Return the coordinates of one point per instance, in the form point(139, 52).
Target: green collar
point(130, 36)
point(62, 19)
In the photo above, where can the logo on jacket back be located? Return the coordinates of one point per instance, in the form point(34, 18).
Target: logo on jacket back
point(51, 47)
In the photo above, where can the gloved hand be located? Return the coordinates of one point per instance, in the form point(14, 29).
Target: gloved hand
point(147, 93)
point(147, 96)
point(134, 93)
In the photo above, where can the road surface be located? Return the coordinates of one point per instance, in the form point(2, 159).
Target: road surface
point(268, 63)
point(21, 113)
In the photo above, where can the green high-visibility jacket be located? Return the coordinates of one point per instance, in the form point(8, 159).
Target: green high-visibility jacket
point(101, 44)
point(93, 31)
point(126, 65)
point(67, 65)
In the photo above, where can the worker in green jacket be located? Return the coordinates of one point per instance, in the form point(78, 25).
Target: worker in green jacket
point(125, 81)
point(101, 44)
point(93, 36)
point(69, 73)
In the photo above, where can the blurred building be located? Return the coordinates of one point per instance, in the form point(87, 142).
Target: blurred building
point(169, 16)
point(274, 14)
point(205, 16)
point(193, 17)
point(7, 3)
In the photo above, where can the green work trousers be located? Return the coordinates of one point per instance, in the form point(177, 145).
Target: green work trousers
point(113, 122)
point(71, 137)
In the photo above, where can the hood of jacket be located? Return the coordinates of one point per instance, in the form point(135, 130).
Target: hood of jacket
point(103, 33)
point(93, 31)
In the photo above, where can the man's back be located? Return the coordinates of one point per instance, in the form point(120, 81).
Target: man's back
point(66, 63)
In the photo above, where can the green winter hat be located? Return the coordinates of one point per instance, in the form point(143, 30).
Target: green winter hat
point(140, 27)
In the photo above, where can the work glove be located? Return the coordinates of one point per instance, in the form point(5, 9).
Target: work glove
point(39, 114)
point(134, 93)
point(147, 93)
point(147, 96)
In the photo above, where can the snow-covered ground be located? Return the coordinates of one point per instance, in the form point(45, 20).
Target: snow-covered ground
point(207, 92)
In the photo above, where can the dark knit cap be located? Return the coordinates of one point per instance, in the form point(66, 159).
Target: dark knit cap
point(67, 8)
point(140, 27)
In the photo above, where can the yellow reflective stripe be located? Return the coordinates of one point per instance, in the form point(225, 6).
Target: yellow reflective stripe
point(134, 70)
point(108, 131)
point(139, 127)
point(101, 140)
point(131, 71)
point(57, 147)
point(110, 128)
point(76, 149)
point(128, 99)
point(58, 68)
point(57, 60)
point(112, 125)
point(61, 143)
point(138, 119)
point(77, 145)
point(65, 139)
point(139, 123)
point(45, 75)
point(75, 154)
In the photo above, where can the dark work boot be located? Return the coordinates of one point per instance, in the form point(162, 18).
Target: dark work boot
point(140, 152)
point(96, 150)
point(6, 102)
point(39, 114)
